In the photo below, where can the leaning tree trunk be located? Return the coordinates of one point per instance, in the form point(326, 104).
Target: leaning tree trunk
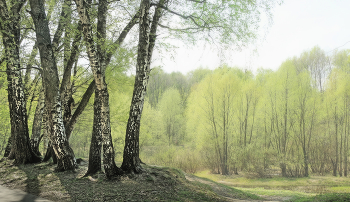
point(64, 153)
point(69, 59)
point(8, 147)
point(131, 160)
point(10, 28)
point(147, 39)
point(37, 123)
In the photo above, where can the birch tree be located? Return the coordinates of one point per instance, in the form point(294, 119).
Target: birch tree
point(59, 141)
point(101, 128)
point(10, 29)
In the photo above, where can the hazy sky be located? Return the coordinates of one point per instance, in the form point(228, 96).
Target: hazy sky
point(298, 26)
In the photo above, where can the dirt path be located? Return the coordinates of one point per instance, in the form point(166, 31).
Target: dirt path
point(16, 195)
point(227, 193)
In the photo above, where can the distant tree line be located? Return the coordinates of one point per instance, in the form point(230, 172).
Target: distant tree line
point(295, 119)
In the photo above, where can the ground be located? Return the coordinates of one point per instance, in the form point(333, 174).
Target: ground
point(155, 184)
point(312, 188)
point(167, 184)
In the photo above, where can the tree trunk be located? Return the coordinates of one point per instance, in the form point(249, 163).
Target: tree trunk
point(306, 165)
point(37, 123)
point(283, 169)
point(50, 153)
point(8, 147)
point(79, 110)
point(95, 145)
point(131, 160)
point(10, 28)
point(335, 164)
point(64, 153)
point(66, 85)
point(346, 139)
point(101, 109)
point(147, 38)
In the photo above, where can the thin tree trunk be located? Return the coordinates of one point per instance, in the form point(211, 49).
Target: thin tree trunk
point(29, 69)
point(66, 84)
point(346, 129)
point(79, 110)
point(335, 164)
point(37, 123)
point(8, 147)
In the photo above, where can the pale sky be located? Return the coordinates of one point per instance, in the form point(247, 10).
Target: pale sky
point(298, 26)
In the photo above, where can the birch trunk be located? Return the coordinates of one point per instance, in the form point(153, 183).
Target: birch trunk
point(10, 29)
point(37, 123)
point(64, 153)
point(147, 39)
point(101, 125)
point(131, 160)
point(66, 85)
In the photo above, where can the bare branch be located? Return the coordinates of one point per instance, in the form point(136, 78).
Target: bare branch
point(37, 68)
point(196, 29)
point(204, 1)
point(61, 25)
point(186, 17)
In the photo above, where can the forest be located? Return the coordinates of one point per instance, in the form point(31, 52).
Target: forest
point(77, 82)
point(228, 120)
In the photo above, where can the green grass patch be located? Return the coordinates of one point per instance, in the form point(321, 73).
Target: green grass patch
point(333, 197)
point(345, 189)
point(312, 184)
point(275, 192)
point(320, 188)
point(239, 194)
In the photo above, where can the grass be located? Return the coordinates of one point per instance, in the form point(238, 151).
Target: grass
point(156, 184)
point(313, 188)
point(332, 197)
point(236, 193)
point(169, 184)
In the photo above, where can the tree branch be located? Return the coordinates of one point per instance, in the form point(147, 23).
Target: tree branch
point(61, 25)
point(153, 32)
point(84, 101)
point(204, 1)
point(186, 17)
point(37, 68)
point(197, 29)
point(72, 59)
point(121, 37)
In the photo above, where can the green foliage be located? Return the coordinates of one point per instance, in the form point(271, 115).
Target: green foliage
point(226, 22)
point(5, 127)
point(242, 122)
point(171, 109)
